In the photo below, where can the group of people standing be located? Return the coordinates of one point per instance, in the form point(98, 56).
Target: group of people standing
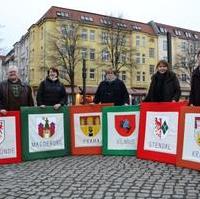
point(14, 93)
point(164, 87)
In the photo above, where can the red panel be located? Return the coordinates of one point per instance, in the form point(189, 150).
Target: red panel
point(157, 107)
point(17, 159)
point(180, 161)
point(84, 109)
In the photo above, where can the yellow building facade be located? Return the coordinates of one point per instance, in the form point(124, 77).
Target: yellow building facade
point(140, 37)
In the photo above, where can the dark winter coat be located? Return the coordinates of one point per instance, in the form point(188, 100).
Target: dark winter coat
point(195, 88)
point(112, 92)
point(26, 98)
point(51, 93)
point(170, 88)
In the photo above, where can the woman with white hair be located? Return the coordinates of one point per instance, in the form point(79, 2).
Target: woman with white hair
point(14, 93)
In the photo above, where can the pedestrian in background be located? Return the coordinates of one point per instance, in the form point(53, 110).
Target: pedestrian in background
point(194, 98)
point(51, 91)
point(164, 85)
point(111, 90)
point(14, 93)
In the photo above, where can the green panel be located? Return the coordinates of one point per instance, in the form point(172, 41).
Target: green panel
point(26, 154)
point(116, 109)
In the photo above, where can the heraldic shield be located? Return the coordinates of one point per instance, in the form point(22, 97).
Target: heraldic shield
point(2, 131)
point(197, 130)
point(125, 124)
point(90, 125)
point(47, 129)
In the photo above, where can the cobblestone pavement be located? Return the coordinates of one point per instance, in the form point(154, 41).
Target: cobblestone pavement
point(97, 177)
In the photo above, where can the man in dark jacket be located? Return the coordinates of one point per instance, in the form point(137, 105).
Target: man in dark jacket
point(194, 98)
point(14, 93)
point(164, 86)
point(111, 90)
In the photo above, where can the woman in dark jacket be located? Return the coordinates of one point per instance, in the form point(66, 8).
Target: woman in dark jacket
point(164, 86)
point(195, 85)
point(112, 90)
point(51, 91)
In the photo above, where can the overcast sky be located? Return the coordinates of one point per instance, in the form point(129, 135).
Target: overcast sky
point(16, 16)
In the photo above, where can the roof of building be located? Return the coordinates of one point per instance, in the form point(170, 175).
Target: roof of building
point(181, 33)
point(95, 19)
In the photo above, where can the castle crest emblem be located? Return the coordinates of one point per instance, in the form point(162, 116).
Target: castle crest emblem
point(46, 128)
point(161, 127)
point(125, 124)
point(90, 125)
point(197, 130)
point(2, 131)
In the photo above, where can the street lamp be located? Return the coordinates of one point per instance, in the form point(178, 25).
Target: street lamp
point(84, 80)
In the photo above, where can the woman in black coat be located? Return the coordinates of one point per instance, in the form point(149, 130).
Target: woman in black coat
point(195, 85)
point(164, 86)
point(112, 90)
point(51, 91)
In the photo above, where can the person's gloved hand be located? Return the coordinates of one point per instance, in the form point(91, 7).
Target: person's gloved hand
point(3, 111)
point(42, 106)
point(57, 106)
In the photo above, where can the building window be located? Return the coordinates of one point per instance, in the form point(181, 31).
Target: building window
point(87, 18)
point(84, 35)
point(165, 45)
point(188, 34)
point(151, 52)
point(92, 73)
point(62, 14)
point(105, 55)
point(84, 53)
point(92, 35)
point(137, 41)
point(105, 21)
point(136, 27)
point(151, 69)
point(165, 58)
point(138, 76)
point(124, 75)
point(143, 58)
point(183, 46)
point(104, 37)
point(143, 76)
point(163, 30)
point(177, 32)
point(123, 58)
point(143, 42)
point(183, 77)
point(92, 54)
point(137, 58)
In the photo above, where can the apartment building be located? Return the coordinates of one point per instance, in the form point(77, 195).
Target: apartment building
point(93, 29)
point(185, 44)
point(41, 46)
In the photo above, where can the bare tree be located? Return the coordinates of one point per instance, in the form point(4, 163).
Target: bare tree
point(115, 37)
point(66, 50)
point(186, 61)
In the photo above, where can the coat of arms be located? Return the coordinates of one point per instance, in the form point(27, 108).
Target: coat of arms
point(46, 129)
point(161, 127)
point(2, 131)
point(90, 125)
point(125, 124)
point(197, 130)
